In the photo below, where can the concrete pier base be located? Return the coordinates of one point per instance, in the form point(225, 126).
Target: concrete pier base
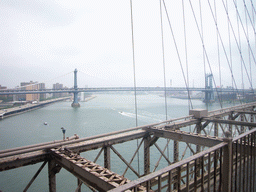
point(75, 105)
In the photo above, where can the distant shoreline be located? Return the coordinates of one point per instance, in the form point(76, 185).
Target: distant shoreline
point(4, 113)
point(89, 98)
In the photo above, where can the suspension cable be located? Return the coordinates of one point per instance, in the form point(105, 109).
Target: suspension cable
point(185, 46)
point(230, 54)
point(134, 81)
point(218, 49)
point(134, 69)
point(205, 51)
point(164, 73)
point(239, 17)
point(162, 35)
point(177, 51)
point(225, 53)
point(202, 33)
point(239, 48)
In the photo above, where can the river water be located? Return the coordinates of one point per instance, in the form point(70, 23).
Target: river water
point(105, 113)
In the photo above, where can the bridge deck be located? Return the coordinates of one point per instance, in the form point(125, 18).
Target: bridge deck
point(207, 168)
point(96, 176)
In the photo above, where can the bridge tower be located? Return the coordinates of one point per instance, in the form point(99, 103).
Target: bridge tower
point(209, 95)
point(75, 102)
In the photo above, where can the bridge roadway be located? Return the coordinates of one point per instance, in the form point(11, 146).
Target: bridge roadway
point(27, 107)
point(111, 89)
point(217, 167)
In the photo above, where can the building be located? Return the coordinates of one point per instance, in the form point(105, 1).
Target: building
point(41, 86)
point(5, 97)
point(32, 97)
point(31, 86)
point(57, 86)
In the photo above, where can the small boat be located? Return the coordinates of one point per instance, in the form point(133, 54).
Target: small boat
point(45, 123)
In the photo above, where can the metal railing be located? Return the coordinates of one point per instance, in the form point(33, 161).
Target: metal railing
point(228, 166)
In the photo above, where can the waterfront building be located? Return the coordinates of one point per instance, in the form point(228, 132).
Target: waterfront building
point(31, 86)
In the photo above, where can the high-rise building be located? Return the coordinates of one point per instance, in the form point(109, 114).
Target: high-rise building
point(40, 87)
point(31, 86)
point(57, 86)
point(4, 97)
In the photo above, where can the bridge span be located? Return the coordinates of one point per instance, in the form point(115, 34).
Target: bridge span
point(221, 146)
point(208, 90)
point(111, 89)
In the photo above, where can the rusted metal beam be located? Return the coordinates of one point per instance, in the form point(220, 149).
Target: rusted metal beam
point(28, 156)
point(96, 176)
point(167, 169)
point(187, 137)
point(108, 140)
point(52, 175)
point(16, 161)
point(231, 122)
point(179, 124)
point(35, 176)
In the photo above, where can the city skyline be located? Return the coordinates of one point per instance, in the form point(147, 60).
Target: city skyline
point(47, 39)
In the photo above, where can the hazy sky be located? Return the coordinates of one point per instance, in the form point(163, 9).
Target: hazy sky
point(42, 40)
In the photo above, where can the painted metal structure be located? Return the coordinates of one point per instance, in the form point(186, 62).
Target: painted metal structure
point(221, 157)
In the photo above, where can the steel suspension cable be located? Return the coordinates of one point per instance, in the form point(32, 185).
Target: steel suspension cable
point(225, 53)
point(253, 21)
point(224, 46)
point(177, 51)
point(164, 68)
point(236, 40)
point(165, 94)
point(230, 53)
point(185, 46)
point(239, 17)
point(239, 45)
point(218, 50)
point(250, 19)
point(247, 33)
point(186, 54)
point(134, 81)
point(202, 33)
point(134, 69)
point(206, 55)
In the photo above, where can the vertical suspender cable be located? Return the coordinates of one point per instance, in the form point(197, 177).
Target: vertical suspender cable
point(218, 49)
point(134, 81)
point(202, 39)
point(239, 44)
point(186, 55)
point(162, 34)
point(165, 94)
point(185, 45)
point(134, 72)
point(231, 63)
point(206, 56)
point(177, 51)
point(248, 35)
point(253, 21)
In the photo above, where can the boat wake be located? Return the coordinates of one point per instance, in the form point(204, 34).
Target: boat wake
point(146, 117)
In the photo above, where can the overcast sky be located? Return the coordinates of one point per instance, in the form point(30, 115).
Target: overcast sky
point(45, 40)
